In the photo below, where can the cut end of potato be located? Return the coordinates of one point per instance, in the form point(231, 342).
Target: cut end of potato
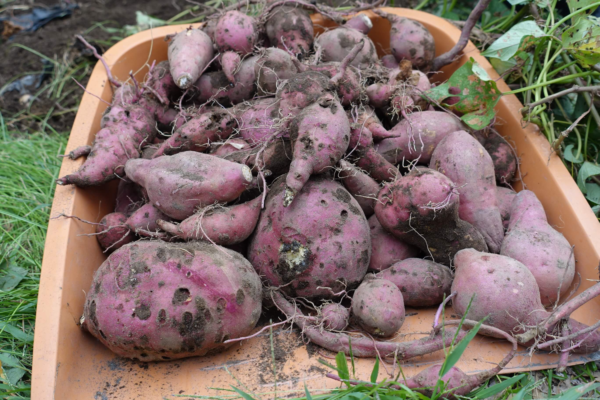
point(184, 81)
point(288, 197)
point(247, 173)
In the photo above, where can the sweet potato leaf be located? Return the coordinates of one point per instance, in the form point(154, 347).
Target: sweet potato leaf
point(520, 36)
point(476, 97)
point(582, 41)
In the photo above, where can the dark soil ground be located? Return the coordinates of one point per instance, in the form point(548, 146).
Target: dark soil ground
point(56, 41)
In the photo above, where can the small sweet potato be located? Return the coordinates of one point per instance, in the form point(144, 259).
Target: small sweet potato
point(215, 85)
point(423, 283)
point(273, 66)
point(178, 184)
point(503, 156)
point(378, 307)
point(144, 219)
point(161, 82)
point(155, 301)
point(334, 316)
point(112, 233)
point(290, 28)
point(337, 43)
point(236, 32)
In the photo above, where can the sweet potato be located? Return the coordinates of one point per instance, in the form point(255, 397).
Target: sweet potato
point(302, 90)
point(236, 32)
point(257, 120)
point(231, 145)
point(216, 87)
point(389, 61)
point(410, 40)
point(230, 63)
point(505, 197)
point(334, 316)
point(317, 246)
point(386, 248)
point(461, 158)
point(337, 43)
point(290, 28)
point(493, 280)
point(144, 219)
point(178, 184)
point(129, 197)
point(421, 208)
point(348, 87)
point(198, 133)
point(112, 147)
point(155, 301)
point(360, 185)
point(503, 156)
point(417, 136)
point(543, 250)
point(190, 52)
point(273, 66)
point(378, 307)
point(361, 23)
point(225, 226)
point(112, 233)
point(320, 137)
point(161, 83)
point(276, 157)
point(423, 283)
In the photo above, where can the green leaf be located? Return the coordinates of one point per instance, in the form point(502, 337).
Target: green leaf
point(342, 366)
point(14, 275)
point(327, 364)
point(517, 2)
point(575, 5)
point(569, 156)
point(16, 332)
point(307, 393)
point(582, 40)
point(458, 351)
point(593, 192)
point(507, 45)
point(375, 372)
point(12, 376)
point(8, 360)
point(497, 388)
point(596, 210)
point(477, 98)
point(502, 66)
point(351, 357)
point(576, 392)
point(587, 169)
point(243, 394)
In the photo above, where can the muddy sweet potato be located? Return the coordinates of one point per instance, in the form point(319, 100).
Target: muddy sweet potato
point(215, 86)
point(190, 51)
point(337, 43)
point(386, 248)
point(112, 233)
point(272, 67)
point(378, 307)
point(360, 185)
point(290, 28)
point(334, 316)
point(155, 301)
point(257, 120)
point(505, 197)
point(178, 184)
point(317, 246)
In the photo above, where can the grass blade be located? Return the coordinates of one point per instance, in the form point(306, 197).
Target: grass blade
point(497, 388)
point(342, 365)
point(243, 394)
point(375, 372)
point(458, 351)
point(578, 391)
point(308, 396)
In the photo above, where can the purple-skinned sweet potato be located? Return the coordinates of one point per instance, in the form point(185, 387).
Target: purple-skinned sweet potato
point(493, 280)
point(161, 82)
point(423, 283)
point(386, 248)
point(461, 158)
point(417, 136)
point(348, 87)
point(542, 249)
point(360, 185)
point(317, 246)
point(337, 43)
point(178, 184)
point(215, 85)
point(155, 301)
point(276, 157)
point(224, 226)
point(236, 32)
point(231, 145)
point(290, 28)
point(129, 197)
point(272, 67)
point(505, 197)
point(334, 316)
point(320, 136)
point(378, 307)
point(410, 40)
point(230, 63)
point(361, 23)
point(257, 120)
point(112, 147)
point(389, 61)
point(421, 208)
point(503, 156)
point(112, 233)
point(190, 52)
point(302, 90)
point(144, 219)
point(198, 133)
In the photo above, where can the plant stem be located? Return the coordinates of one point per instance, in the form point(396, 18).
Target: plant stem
point(558, 80)
point(572, 89)
point(565, 19)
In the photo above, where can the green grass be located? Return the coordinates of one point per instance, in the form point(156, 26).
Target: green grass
point(29, 168)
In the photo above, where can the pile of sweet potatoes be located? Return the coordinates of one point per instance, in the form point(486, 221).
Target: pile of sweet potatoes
point(260, 161)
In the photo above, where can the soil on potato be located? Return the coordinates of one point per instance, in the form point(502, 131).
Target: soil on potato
point(56, 40)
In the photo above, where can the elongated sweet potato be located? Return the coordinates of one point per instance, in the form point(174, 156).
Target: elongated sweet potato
point(423, 283)
point(178, 184)
point(190, 51)
point(302, 90)
point(317, 246)
point(225, 226)
point(320, 137)
point(387, 249)
point(543, 250)
point(155, 301)
point(421, 208)
point(360, 185)
point(276, 157)
point(461, 158)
